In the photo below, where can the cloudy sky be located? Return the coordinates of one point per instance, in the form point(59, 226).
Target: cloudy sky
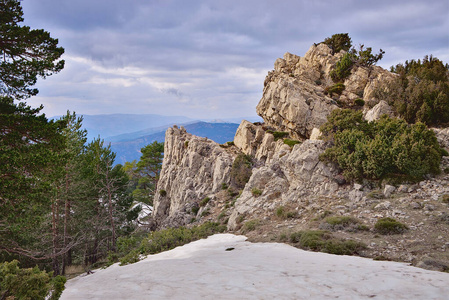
point(208, 58)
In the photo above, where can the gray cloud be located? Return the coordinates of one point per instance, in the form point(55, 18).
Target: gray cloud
point(208, 58)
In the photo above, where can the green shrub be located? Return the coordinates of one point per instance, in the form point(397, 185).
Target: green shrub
point(362, 57)
point(387, 148)
point(112, 258)
point(340, 120)
point(359, 102)
point(365, 56)
point(280, 211)
point(323, 241)
point(278, 134)
point(205, 213)
point(163, 193)
point(250, 225)
point(195, 209)
point(343, 68)
point(30, 283)
point(186, 144)
point(338, 42)
point(347, 223)
point(221, 215)
point(376, 194)
point(256, 192)
point(389, 226)
point(230, 143)
point(337, 88)
point(341, 220)
point(283, 213)
point(204, 201)
point(167, 239)
point(130, 258)
point(290, 142)
point(421, 91)
point(283, 237)
point(224, 186)
point(241, 170)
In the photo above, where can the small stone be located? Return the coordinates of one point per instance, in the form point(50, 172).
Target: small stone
point(388, 190)
point(383, 206)
point(403, 188)
point(415, 205)
point(429, 207)
point(340, 179)
point(357, 186)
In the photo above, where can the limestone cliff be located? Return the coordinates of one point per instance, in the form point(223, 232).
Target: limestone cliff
point(292, 176)
point(294, 96)
point(193, 169)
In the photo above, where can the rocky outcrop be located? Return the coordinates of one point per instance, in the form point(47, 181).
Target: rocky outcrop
point(295, 95)
point(193, 169)
point(257, 141)
point(292, 176)
point(442, 135)
point(294, 103)
point(380, 109)
point(284, 175)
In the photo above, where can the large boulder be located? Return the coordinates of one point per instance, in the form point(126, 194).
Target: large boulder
point(380, 109)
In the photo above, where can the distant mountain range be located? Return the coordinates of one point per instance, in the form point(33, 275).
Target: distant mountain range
point(128, 149)
point(115, 124)
point(128, 133)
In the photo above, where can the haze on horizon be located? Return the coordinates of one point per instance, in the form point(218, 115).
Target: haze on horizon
point(208, 59)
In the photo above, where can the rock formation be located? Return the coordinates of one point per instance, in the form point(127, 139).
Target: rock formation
point(193, 169)
point(381, 108)
point(291, 177)
point(295, 98)
point(287, 171)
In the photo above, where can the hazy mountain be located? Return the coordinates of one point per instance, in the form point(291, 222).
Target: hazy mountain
point(116, 124)
point(129, 149)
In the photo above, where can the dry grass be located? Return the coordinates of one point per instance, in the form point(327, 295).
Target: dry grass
point(74, 270)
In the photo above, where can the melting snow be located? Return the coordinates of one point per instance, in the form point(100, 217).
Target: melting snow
point(205, 270)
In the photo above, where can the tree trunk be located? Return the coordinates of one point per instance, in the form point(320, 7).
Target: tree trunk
point(111, 217)
point(55, 213)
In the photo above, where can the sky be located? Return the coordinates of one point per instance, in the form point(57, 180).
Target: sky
point(207, 59)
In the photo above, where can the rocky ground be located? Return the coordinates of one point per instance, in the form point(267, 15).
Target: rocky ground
point(421, 207)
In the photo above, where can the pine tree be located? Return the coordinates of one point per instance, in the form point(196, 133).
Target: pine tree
point(25, 53)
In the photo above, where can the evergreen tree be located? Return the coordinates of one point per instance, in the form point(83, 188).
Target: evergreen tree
point(29, 143)
point(29, 147)
point(145, 173)
point(421, 91)
point(25, 53)
point(107, 203)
